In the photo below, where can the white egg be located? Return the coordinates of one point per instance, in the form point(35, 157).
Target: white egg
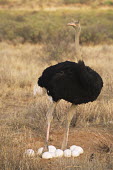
point(67, 153)
point(29, 152)
point(53, 154)
point(79, 149)
point(72, 147)
point(75, 153)
point(46, 155)
point(51, 148)
point(59, 153)
point(40, 150)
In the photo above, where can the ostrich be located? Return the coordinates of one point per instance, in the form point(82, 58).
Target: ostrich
point(71, 81)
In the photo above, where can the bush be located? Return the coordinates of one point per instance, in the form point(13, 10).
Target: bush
point(45, 27)
point(77, 1)
point(108, 2)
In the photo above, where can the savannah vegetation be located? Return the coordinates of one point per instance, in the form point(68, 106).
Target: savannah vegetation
point(30, 41)
point(48, 26)
point(43, 3)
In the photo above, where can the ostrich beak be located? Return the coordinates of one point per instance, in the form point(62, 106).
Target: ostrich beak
point(71, 24)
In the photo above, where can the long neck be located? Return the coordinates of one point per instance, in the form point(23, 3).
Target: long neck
point(77, 46)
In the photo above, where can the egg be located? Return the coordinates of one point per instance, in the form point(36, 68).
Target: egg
point(79, 149)
point(75, 153)
point(67, 153)
point(72, 147)
point(40, 150)
point(53, 154)
point(59, 153)
point(29, 152)
point(51, 148)
point(46, 155)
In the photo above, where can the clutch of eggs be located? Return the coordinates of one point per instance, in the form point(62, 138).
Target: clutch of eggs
point(52, 152)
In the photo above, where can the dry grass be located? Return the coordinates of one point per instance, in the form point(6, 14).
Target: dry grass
point(37, 4)
point(22, 123)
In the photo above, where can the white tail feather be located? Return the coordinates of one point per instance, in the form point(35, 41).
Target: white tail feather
point(50, 98)
point(38, 90)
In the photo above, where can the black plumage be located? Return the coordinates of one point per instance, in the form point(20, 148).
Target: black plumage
point(73, 82)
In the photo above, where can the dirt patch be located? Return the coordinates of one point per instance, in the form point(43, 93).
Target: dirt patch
point(89, 139)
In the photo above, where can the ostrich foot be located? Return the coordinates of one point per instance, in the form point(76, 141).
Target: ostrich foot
point(45, 148)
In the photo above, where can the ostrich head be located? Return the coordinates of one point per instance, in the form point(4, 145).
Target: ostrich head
point(75, 25)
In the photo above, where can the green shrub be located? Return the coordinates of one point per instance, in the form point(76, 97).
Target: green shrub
point(77, 1)
point(50, 27)
point(108, 2)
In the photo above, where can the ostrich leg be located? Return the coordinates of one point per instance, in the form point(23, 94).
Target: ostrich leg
point(49, 119)
point(68, 121)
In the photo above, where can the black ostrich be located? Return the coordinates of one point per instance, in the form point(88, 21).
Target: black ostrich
point(73, 82)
